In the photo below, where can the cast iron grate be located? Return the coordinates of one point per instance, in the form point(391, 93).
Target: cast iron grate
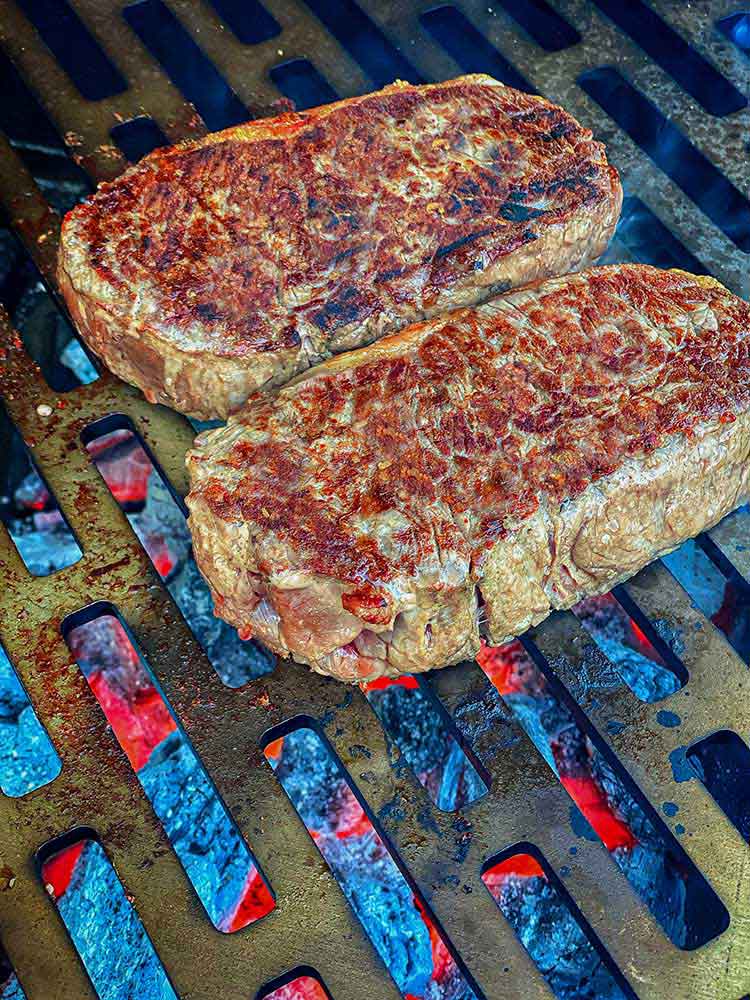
point(92, 84)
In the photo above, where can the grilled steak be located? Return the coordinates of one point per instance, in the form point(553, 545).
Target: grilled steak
point(475, 471)
point(219, 266)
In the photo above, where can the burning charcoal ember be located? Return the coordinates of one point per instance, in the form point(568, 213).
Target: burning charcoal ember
point(125, 467)
point(401, 930)
point(421, 731)
point(627, 648)
point(10, 988)
point(106, 931)
point(205, 839)
point(44, 540)
point(27, 758)
point(30, 514)
point(725, 601)
point(161, 528)
point(541, 917)
point(680, 900)
point(304, 988)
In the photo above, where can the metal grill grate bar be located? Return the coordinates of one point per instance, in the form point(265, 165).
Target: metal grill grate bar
point(312, 923)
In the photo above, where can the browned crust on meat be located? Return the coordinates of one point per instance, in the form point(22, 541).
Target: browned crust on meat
point(536, 449)
point(243, 258)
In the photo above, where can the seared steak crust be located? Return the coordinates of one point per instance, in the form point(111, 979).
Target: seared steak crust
point(219, 266)
point(476, 471)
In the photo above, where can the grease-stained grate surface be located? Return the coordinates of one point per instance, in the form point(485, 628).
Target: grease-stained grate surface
point(90, 84)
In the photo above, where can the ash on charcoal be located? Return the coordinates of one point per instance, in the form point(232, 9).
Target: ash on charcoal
point(106, 930)
point(12, 990)
point(637, 839)
point(27, 758)
point(216, 859)
point(396, 922)
point(420, 729)
point(30, 513)
point(541, 917)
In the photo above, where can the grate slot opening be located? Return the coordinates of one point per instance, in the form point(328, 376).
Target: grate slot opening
point(632, 645)
point(10, 987)
point(214, 856)
point(302, 983)
point(364, 41)
point(186, 64)
point(722, 762)
point(430, 742)
point(736, 27)
point(137, 137)
point(32, 516)
point(30, 131)
point(671, 151)
point(248, 19)
point(668, 49)
point(543, 23)
point(47, 335)
point(608, 805)
point(650, 241)
point(81, 881)
point(468, 47)
point(393, 913)
point(75, 48)
point(28, 760)
point(725, 601)
point(300, 81)
point(556, 935)
point(156, 514)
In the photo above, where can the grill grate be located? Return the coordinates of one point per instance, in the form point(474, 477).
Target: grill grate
point(686, 200)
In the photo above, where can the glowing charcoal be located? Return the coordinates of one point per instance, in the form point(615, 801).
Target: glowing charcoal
point(395, 918)
point(641, 845)
point(301, 988)
point(107, 933)
point(27, 758)
point(627, 647)
point(216, 859)
point(29, 511)
point(425, 734)
point(724, 599)
point(563, 947)
point(159, 522)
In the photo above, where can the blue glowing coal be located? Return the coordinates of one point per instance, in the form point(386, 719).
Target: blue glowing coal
point(203, 836)
point(423, 733)
point(108, 934)
point(382, 898)
point(10, 988)
point(541, 918)
point(27, 758)
point(216, 859)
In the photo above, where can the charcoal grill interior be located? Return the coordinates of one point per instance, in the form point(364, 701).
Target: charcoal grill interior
point(90, 84)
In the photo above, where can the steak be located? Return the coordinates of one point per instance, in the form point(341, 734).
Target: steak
point(219, 266)
point(470, 474)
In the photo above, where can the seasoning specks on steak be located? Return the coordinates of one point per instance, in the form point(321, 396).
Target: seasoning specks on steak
point(219, 266)
point(523, 454)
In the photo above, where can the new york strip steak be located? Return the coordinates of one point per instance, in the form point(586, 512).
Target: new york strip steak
point(472, 473)
point(219, 266)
